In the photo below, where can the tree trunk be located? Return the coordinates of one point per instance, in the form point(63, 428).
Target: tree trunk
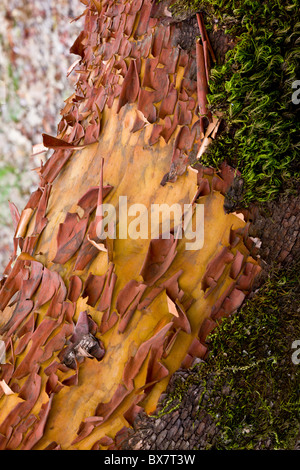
point(95, 327)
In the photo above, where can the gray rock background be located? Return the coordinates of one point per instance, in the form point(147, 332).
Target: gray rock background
point(35, 38)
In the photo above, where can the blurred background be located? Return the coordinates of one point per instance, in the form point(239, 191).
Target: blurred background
point(35, 38)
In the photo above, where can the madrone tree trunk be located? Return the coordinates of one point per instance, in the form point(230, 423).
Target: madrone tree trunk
point(95, 327)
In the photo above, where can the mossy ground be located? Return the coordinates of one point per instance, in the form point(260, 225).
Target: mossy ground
point(250, 382)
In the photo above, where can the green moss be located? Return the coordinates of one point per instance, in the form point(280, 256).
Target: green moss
point(253, 88)
point(253, 353)
point(250, 386)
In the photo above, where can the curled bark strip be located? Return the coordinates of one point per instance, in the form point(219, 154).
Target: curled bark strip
point(23, 223)
point(206, 60)
point(14, 214)
point(35, 272)
point(236, 265)
point(129, 294)
point(201, 26)
point(27, 396)
point(57, 342)
point(134, 364)
point(128, 313)
point(97, 226)
point(204, 35)
point(181, 320)
point(93, 288)
point(234, 301)
point(70, 236)
point(38, 427)
point(77, 48)
point(146, 105)
point(104, 304)
point(40, 219)
point(207, 327)
point(130, 86)
point(108, 321)
point(34, 355)
point(24, 334)
point(86, 427)
point(86, 254)
point(132, 412)
point(140, 122)
point(170, 341)
point(161, 254)
point(51, 282)
point(88, 202)
point(75, 288)
point(53, 446)
point(197, 349)
point(53, 166)
point(105, 410)
point(12, 284)
point(21, 311)
point(202, 86)
point(172, 289)
point(20, 431)
point(216, 267)
point(60, 144)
